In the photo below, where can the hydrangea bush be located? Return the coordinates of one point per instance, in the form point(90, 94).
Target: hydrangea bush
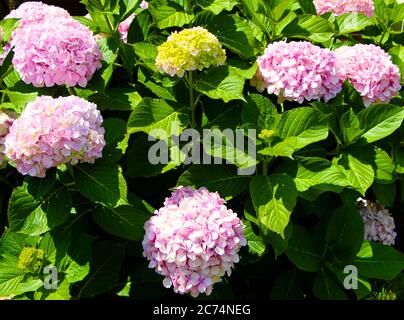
point(315, 87)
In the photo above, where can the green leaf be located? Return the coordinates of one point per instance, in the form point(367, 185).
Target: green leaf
point(397, 56)
point(221, 118)
point(220, 178)
point(258, 12)
point(278, 243)
point(364, 287)
point(274, 198)
point(145, 77)
point(101, 182)
point(115, 130)
point(70, 253)
point(303, 252)
point(217, 6)
point(255, 242)
point(140, 27)
point(380, 120)
point(87, 22)
point(314, 173)
point(352, 22)
point(288, 286)
point(345, 232)
point(170, 15)
point(105, 267)
point(123, 221)
point(77, 263)
point(8, 26)
point(10, 278)
point(243, 68)
point(220, 83)
point(350, 127)
point(61, 293)
point(379, 261)
point(398, 156)
point(308, 6)
point(314, 28)
point(39, 187)
point(383, 165)
point(126, 291)
point(385, 193)
point(12, 79)
point(278, 8)
point(260, 111)
point(34, 216)
point(55, 246)
point(360, 175)
point(124, 99)
point(326, 288)
point(298, 128)
point(138, 157)
point(158, 118)
point(380, 161)
point(233, 33)
point(145, 51)
point(235, 147)
point(31, 284)
point(13, 242)
point(19, 99)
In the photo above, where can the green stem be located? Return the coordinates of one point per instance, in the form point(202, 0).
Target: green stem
point(282, 108)
point(265, 169)
point(192, 101)
point(111, 29)
point(70, 90)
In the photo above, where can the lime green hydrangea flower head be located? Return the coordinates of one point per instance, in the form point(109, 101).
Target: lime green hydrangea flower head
point(188, 50)
point(266, 134)
point(30, 259)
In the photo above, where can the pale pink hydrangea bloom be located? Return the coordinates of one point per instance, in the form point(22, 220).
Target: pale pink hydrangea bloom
point(36, 11)
point(144, 4)
point(51, 132)
point(298, 71)
point(6, 120)
point(32, 12)
point(370, 71)
point(123, 28)
point(56, 53)
point(193, 240)
point(339, 7)
point(379, 224)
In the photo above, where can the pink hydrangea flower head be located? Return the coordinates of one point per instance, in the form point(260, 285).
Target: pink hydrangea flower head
point(51, 132)
point(193, 241)
point(32, 12)
point(37, 12)
point(298, 71)
point(370, 71)
point(123, 28)
point(379, 224)
point(339, 7)
point(62, 53)
point(6, 120)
